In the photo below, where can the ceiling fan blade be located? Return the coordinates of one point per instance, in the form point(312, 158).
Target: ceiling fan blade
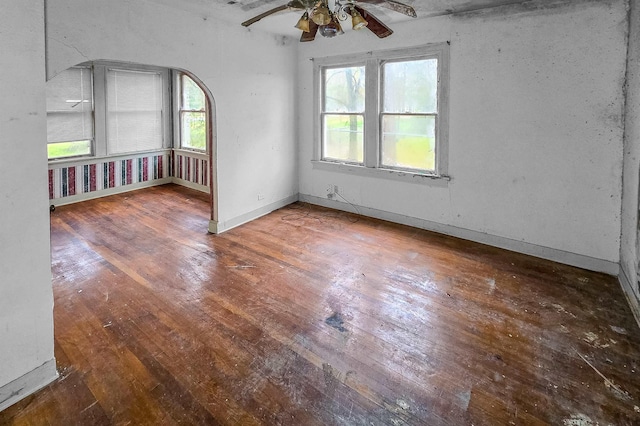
point(311, 35)
point(265, 14)
point(405, 9)
point(375, 25)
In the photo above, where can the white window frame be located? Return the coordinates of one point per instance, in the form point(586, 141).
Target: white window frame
point(99, 78)
point(374, 62)
point(92, 140)
point(324, 113)
point(178, 110)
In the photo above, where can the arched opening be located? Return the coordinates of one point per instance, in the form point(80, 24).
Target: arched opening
point(211, 148)
point(114, 127)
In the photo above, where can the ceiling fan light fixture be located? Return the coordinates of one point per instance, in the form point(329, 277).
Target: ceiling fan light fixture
point(337, 24)
point(303, 23)
point(328, 32)
point(332, 29)
point(357, 21)
point(321, 14)
point(318, 16)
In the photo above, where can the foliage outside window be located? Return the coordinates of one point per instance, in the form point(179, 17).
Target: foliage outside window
point(193, 117)
point(385, 110)
point(343, 114)
point(70, 130)
point(409, 113)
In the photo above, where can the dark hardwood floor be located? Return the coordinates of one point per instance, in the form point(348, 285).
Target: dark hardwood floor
point(309, 316)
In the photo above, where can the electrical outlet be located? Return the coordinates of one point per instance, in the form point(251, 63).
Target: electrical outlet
point(335, 189)
point(330, 189)
point(260, 197)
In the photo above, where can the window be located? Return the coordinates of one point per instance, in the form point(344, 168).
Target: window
point(343, 114)
point(100, 109)
point(408, 114)
point(384, 111)
point(134, 111)
point(70, 113)
point(193, 116)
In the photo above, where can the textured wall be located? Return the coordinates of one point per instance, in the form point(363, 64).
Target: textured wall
point(94, 177)
point(26, 299)
point(629, 250)
point(250, 74)
point(535, 146)
point(191, 167)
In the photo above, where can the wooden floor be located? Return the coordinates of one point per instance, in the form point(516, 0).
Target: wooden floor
point(314, 317)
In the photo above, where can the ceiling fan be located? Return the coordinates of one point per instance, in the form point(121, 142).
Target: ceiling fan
point(318, 17)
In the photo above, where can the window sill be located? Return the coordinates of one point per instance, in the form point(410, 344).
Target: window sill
point(82, 160)
point(413, 177)
point(192, 152)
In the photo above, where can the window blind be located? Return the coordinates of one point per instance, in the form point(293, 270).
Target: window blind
point(134, 111)
point(70, 106)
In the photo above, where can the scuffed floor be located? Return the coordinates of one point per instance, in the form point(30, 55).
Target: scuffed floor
point(314, 317)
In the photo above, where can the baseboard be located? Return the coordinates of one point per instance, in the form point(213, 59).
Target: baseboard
point(28, 384)
point(555, 255)
point(218, 227)
point(191, 185)
point(110, 191)
point(632, 297)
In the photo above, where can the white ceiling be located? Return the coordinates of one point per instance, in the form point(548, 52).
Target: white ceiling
point(237, 11)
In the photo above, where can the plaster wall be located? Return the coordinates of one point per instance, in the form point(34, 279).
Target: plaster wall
point(250, 74)
point(26, 298)
point(535, 126)
point(629, 250)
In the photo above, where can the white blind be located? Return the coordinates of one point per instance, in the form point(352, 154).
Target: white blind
point(70, 106)
point(134, 111)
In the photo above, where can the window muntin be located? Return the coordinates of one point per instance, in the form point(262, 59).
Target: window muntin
point(70, 130)
point(408, 115)
point(342, 116)
point(193, 117)
point(96, 109)
point(134, 111)
point(405, 115)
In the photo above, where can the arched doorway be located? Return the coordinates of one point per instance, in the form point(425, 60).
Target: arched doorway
point(91, 102)
point(211, 148)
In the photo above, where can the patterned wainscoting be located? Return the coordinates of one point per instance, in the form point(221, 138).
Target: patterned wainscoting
point(191, 169)
point(74, 181)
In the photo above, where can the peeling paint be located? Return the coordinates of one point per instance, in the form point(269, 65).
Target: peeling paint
point(561, 309)
point(594, 340)
point(578, 420)
point(492, 284)
point(618, 330)
point(402, 404)
point(508, 9)
point(463, 399)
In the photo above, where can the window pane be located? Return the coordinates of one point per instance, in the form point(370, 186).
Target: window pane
point(408, 141)
point(344, 89)
point(411, 86)
point(343, 138)
point(192, 95)
point(70, 106)
point(69, 149)
point(194, 127)
point(134, 111)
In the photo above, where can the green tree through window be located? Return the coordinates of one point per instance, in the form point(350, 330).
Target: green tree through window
point(384, 112)
point(193, 116)
point(343, 115)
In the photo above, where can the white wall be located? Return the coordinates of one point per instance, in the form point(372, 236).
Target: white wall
point(250, 74)
point(629, 250)
point(535, 129)
point(26, 299)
